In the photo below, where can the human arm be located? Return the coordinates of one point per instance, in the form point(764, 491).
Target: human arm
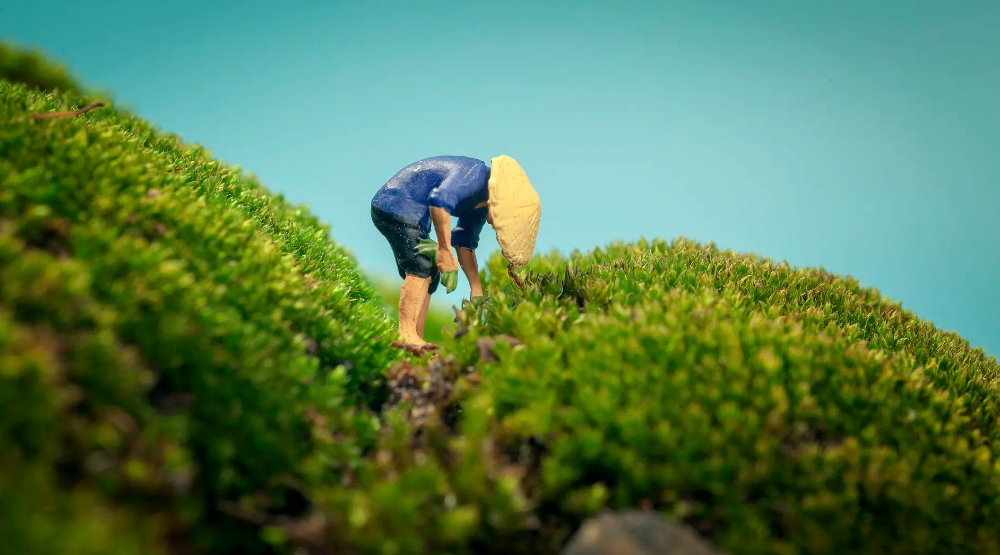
point(443, 201)
point(442, 226)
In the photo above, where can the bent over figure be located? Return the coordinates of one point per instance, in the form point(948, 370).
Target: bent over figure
point(434, 190)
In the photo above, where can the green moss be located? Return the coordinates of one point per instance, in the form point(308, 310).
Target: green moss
point(175, 332)
point(188, 363)
point(777, 410)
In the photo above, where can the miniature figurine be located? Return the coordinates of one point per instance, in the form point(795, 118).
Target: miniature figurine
point(432, 191)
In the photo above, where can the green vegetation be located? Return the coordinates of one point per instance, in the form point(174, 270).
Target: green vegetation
point(776, 410)
point(189, 364)
point(172, 337)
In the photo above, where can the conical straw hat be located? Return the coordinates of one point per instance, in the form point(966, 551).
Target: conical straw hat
point(516, 210)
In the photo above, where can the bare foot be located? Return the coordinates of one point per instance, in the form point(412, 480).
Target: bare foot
point(414, 346)
point(412, 339)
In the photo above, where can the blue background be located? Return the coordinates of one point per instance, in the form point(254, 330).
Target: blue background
point(855, 135)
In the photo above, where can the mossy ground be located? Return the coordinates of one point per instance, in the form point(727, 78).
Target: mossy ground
point(188, 363)
point(171, 335)
point(777, 410)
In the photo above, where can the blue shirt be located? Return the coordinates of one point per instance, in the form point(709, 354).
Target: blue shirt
point(454, 183)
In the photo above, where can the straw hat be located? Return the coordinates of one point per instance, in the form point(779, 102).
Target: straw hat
point(516, 210)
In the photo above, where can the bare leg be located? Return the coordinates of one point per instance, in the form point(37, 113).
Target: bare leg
point(422, 319)
point(412, 297)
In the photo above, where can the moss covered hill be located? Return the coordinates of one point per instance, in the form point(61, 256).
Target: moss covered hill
point(188, 364)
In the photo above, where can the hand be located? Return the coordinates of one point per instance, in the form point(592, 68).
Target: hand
point(446, 261)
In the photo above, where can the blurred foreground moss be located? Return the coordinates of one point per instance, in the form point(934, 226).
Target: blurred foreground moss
point(172, 337)
point(34, 70)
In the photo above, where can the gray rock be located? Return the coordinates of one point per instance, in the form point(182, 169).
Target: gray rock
point(633, 532)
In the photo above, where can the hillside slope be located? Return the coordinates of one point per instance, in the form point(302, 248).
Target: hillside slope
point(776, 410)
point(188, 364)
point(170, 333)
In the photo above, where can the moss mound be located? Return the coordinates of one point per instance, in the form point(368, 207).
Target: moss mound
point(188, 364)
point(172, 338)
point(777, 410)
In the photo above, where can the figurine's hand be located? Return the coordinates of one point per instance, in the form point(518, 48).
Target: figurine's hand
point(446, 261)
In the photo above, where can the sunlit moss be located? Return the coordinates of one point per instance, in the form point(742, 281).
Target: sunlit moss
point(776, 410)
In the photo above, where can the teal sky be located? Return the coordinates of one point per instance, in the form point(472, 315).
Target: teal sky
point(860, 136)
